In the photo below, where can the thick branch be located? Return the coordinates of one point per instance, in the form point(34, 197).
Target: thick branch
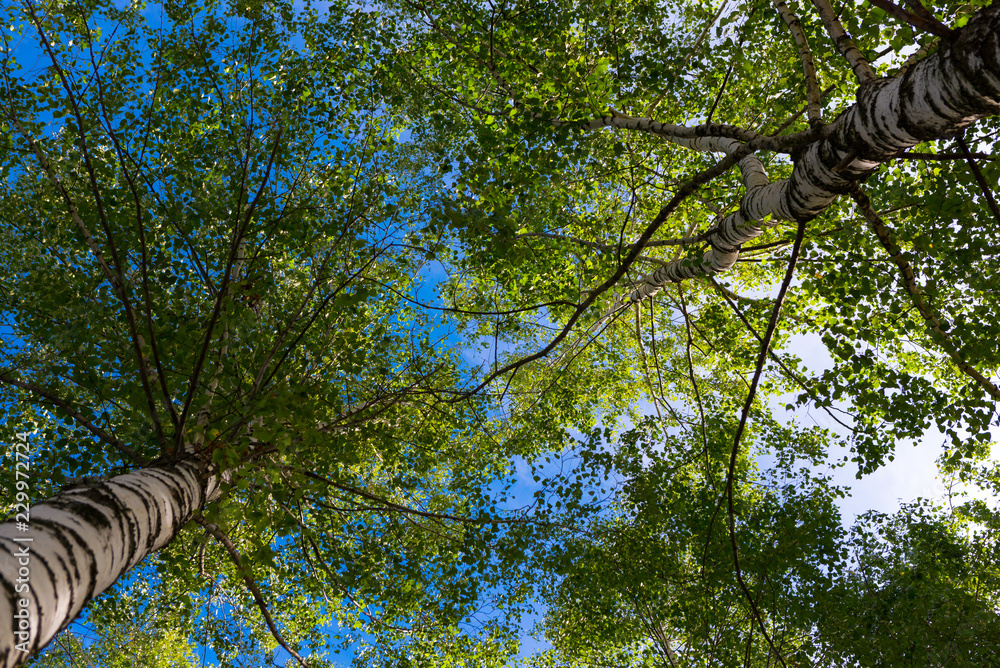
point(931, 24)
point(942, 94)
point(805, 55)
point(712, 132)
point(829, 89)
point(862, 69)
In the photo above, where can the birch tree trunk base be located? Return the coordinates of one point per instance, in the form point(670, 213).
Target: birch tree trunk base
point(78, 543)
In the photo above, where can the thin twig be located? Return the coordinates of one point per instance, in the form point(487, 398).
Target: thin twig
point(886, 238)
point(158, 372)
point(682, 193)
point(731, 475)
point(732, 63)
point(774, 358)
point(722, 89)
point(116, 277)
point(645, 368)
point(690, 54)
point(251, 584)
point(389, 505)
point(656, 356)
point(131, 454)
point(980, 179)
point(685, 241)
point(694, 385)
point(61, 641)
point(913, 155)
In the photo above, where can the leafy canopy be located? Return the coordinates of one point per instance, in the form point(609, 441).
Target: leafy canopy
point(270, 237)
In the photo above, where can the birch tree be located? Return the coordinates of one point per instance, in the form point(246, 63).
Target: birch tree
point(651, 201)
point(207, 344)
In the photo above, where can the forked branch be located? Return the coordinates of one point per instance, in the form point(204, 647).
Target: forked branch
point(147, 372)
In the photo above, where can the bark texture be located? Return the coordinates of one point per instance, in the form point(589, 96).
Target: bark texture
point(934, 99)
point(76, 544)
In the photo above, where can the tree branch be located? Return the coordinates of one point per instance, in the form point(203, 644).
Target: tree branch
point(682, 193)
point(983, 184)
point(862, 69)
point(708, 131)
point(686, 241)
point(158, 373)
point(912, 155)
point(104, 436)
point(690, 54)
point(116, 277)
point(731, 475)
point(774, 358)
point(694, 384)
point(389, 505)
point(251, 584)
point(908, 278)
point(657, 397)
point(808, 65)
point(926, 23)
point(829, 89)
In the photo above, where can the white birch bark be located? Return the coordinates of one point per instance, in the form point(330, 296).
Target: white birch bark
point(935, 98)
point(79, 542)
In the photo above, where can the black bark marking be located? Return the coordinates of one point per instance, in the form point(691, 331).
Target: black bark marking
point(124, 520)
point(151, 513)
point(70, 567)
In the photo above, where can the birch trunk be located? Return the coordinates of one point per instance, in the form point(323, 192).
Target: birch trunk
point(67, 550)
point(937, 97)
